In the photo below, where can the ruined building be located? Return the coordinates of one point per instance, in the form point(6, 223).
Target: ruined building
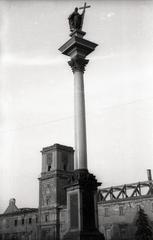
point(117, 206)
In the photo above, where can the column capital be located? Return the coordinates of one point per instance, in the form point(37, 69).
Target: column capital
point(78, 64)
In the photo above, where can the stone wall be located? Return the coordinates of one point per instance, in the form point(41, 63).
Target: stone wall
point(19, 226)
point(117, 218)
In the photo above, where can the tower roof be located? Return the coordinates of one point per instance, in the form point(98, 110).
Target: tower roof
point(58, 147)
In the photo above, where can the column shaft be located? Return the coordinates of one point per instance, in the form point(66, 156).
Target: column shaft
point(80, 121)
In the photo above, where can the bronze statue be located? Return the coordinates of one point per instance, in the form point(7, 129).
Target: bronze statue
point(76, 19)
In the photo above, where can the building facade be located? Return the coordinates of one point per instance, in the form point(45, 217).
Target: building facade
point(18, 223)
point(117, 206)
point(118, 209)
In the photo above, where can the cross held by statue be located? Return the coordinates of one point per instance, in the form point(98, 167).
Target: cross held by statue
point(84, 7)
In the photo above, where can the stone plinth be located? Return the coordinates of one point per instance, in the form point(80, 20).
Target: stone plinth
point(82, 207)
point(77, 46)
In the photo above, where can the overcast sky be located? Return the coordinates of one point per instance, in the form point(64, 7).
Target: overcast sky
point(36, 89)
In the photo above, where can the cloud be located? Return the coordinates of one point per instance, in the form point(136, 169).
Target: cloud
point(112, 55)
point(108, 15)
point(11, 59)
point(3, 27)
point(98, 58)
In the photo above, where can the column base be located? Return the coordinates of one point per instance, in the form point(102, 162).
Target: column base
point(82, 207)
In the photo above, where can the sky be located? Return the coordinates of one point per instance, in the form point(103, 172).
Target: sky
point(36, 91)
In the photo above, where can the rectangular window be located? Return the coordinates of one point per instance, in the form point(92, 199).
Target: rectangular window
point(7, 223)
point(123, 232)
point(46, 217)
point(30, 220)
point(121, 211)
point(49, 168)
point(108, 234)
point(49, 161)
point(15, 222)
point(106, 212)
point(47, 200)
point(22, 221)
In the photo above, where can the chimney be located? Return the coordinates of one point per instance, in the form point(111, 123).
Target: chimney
point(149, 175)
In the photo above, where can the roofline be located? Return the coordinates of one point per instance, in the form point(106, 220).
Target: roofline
point(20, 212)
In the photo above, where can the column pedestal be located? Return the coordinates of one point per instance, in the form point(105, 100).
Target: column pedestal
point(82, 207)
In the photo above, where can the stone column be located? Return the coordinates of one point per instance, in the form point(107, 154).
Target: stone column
point(82, 188)
point(78, 67)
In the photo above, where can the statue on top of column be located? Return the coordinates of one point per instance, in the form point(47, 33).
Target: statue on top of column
point(76, 19)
